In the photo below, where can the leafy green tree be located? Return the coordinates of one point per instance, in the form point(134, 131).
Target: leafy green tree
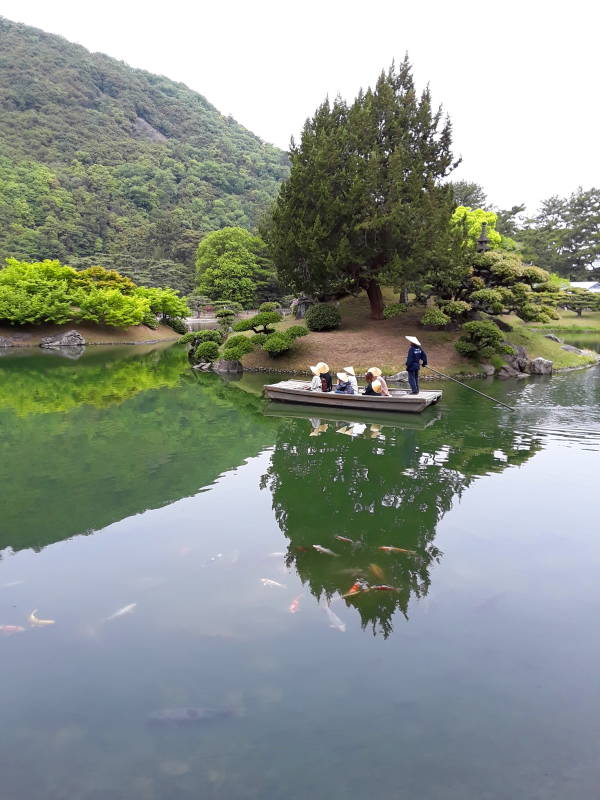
point(467, 193)
point(579, 300)
point(564, 236)
point(481, 340)
point(110, 307)
point(365, 201)
point(229, 279)
point(470, 220)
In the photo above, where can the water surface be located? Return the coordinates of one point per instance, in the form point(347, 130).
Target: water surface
point(128, 479)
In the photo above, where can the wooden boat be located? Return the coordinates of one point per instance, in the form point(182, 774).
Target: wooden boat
point(399, 400)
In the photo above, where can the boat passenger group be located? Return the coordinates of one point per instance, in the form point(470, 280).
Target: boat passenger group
point(375, 383)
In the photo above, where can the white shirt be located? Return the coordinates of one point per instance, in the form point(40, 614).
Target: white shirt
point(353, 382)
point(315, 385)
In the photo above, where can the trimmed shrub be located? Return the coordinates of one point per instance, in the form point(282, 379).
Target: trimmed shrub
point(268, 306)
point(481, 340)
point(239, 340)
point(207, 351)
point(264, 320)
point(456, 309)
point(236, 351)
point(323, 317)
point(177, 324)
point(394, 310)
point(434, 317)
point(277, 343)
point(150, 321)
point(196, 337)
point(295, 331)
point(258, 339)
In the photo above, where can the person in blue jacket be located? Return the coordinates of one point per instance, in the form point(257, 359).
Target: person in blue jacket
point(415, 356)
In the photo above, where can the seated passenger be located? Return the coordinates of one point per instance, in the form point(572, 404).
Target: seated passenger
point(369, 378)
point(352, 378)
point(376, 373)
point(343, 385)
point(326, 379)
point(315, 385)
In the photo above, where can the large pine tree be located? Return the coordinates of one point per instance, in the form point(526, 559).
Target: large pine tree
point(365, 202)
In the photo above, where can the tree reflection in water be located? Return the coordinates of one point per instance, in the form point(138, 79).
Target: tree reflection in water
point(379, 485)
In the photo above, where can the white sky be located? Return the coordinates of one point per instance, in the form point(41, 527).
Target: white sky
point(519, 79)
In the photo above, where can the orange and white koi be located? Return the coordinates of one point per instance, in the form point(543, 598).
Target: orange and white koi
point(390, 549)
point(325, 550)
point(382, 587)
point(356, 588)
point(295, 604)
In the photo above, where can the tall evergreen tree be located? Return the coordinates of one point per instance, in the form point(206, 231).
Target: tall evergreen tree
point(365, 201)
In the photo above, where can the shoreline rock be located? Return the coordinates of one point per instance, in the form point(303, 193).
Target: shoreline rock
point(68, 339)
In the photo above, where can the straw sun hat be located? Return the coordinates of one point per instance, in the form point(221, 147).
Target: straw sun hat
point(413, 340)
point(342, 376)
point(375, 371)
point(350, 371)
point(376, 386)
point(320, 368)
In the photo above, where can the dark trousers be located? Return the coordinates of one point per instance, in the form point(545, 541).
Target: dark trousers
point(413, 379)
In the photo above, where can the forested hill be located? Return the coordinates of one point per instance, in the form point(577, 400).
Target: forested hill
point(102, 163)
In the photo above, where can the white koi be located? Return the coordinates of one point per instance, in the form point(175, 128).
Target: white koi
point(272, 584)
point(334, 621)
point(325, 550)
point(35, 622)
point(122, 611)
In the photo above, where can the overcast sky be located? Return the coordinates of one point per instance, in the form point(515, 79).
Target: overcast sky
point(519, 79)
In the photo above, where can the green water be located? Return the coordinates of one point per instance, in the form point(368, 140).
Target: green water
point(126, 479)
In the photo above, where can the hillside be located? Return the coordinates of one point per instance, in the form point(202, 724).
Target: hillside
point(100, 162)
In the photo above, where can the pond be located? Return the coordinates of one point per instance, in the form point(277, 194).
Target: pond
point(202, 647)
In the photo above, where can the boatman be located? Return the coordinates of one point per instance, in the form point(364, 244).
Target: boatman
point(415, 356)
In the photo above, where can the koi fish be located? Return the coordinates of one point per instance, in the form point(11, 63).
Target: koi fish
point(334, 621)
point(390, 549)
point(376, 570)
point(294, 605)
point(38, 623)
point(325, 550)
point(345, 539)
point(8, 630)
point(121, 612)
point(382, 587)
point(276, 555)
point(272, 584)
point(357, 588)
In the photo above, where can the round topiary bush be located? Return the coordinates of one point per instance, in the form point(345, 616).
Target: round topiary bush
point(258, 339)
point(277, 343)
point(238, 340)
point(323, 317)
point(296, 330)
point(269, 306)
point(207, 351)
point(456, 309)
point(394, 310)
point(481, 340)
point(434, 317)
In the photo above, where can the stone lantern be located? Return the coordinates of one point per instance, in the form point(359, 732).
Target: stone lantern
point(483, 243)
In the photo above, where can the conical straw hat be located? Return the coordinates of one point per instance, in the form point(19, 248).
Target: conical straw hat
point(350, 371)
point(413, 340)
point(375, 371)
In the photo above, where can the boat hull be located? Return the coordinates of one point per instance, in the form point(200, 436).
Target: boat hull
point(399, 401)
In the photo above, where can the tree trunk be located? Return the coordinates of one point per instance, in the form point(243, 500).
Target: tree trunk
point(375, 299)
point(403, 295)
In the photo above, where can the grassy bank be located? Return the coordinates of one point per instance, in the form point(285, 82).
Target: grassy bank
point(31, 335)
point(362, 342)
